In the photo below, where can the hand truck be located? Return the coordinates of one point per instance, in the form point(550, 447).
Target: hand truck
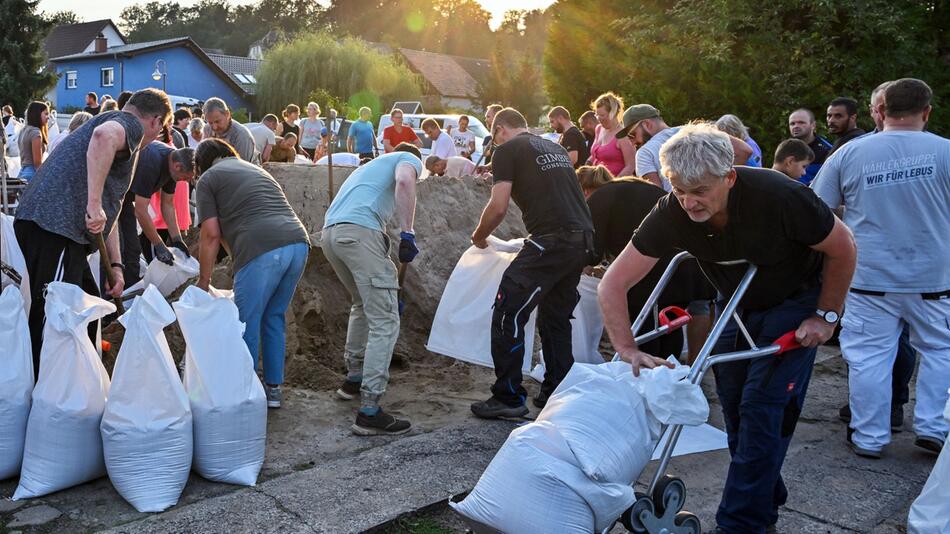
point(660, 509)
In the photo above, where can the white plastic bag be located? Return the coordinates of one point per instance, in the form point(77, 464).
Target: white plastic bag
point(16, 380)
point(11, 255)
point(532, 486)
point(168, 278)
point(587, 328)
point(930, 513)
point(63, 444)
point(146, 428)
point(461, 327)
point(227, 399)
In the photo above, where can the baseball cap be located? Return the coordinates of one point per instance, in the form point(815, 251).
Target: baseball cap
point(634, 115)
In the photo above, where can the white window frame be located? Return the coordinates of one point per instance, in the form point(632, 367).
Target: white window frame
point(102, 73)
point(74, 78)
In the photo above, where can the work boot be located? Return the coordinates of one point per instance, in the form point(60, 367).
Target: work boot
point(897, 416)
point(349, 390)
point(496, 409)
point(380, 424)
point(929, 443)
point(541, 400)
point(861, 451)
point(274, 396)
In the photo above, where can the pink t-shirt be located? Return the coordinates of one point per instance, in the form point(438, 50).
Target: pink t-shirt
point(608, 155)
point(182, 210)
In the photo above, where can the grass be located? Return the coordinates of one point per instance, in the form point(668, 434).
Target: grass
point(417, 525)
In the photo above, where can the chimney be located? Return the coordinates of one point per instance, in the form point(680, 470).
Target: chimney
point(100, 43)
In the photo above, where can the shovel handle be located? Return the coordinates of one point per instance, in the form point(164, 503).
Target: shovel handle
point(107, 267)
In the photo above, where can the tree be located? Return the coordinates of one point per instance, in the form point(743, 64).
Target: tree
point(514, 81)
point(342, 70)
point(60, 18)
point(23, 76)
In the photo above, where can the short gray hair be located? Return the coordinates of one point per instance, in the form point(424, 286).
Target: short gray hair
point(79, 118)
point(695, 153)
point(879, 89)
point(196, 125)
point(214, 104)
point(733, 126)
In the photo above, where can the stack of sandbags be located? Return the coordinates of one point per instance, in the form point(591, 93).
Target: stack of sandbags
point(16, 380)
point(147, 427)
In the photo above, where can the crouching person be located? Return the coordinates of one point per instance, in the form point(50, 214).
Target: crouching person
point(241, 206)
point(357, 246)
point(805, 258)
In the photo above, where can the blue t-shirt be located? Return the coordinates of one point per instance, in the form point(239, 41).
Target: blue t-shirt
point(368, 196)
point(755, 160)
point(820, 146)
point(362, 131)
point(151, 172)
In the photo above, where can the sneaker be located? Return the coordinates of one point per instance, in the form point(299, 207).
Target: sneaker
point(861, 451)
point(897, 416)
point(380, 424)
point(541, 400)
point(349, 390)
point(929, 443)
point(495, 409)
point(274, 396)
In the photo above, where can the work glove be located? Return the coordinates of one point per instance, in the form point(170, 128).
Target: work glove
point(407, 247)
point(180, 245)
point(163, 255)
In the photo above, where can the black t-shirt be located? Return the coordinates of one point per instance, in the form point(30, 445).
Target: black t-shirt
point(544, 184)
point(151, 172)
point(486, 145)
point(821, 149)
point(93, 111)
point(287, 128)
point(773, 222)
point(850, 135)
point(573, 139)
point(590, 141)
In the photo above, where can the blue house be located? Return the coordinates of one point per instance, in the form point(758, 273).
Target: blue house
point(184, 70)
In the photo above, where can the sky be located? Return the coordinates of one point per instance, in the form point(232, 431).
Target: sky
point(110, 9)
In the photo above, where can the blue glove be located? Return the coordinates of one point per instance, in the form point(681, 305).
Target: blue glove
point(407, 247)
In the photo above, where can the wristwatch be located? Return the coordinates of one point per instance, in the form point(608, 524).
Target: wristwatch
point(830, 316)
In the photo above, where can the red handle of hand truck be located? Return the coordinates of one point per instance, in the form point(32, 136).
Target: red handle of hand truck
point(674, 317)
point(787, 342)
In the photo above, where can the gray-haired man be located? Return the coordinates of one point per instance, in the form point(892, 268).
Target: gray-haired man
point(806, 257)
point(222, 126)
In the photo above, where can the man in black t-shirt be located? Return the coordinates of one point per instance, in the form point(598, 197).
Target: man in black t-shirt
point(571, 137)
point(92, 104)
point(842, 117)
point(805, 258)
point(537, 174)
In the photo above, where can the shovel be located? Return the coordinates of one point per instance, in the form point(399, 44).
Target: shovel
point(400, 277)
point(104, 262)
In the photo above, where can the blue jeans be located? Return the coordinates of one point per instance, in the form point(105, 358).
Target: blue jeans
point(262, 291)
point(761, 401)
point(27, 172)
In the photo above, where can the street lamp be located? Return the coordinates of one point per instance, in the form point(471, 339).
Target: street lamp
point(161, 74)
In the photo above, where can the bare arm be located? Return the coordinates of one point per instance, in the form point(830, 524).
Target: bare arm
point(573, 155)
point(349, 143)
point(742, 151)
point(115, 256)
point(107, 139)
point(653, 178)
point(629, 153)
point(265, 154)
point(170, 215)
point(493, 214)
point(145, 220)
point(387, 146)
point(36, 147)
point(406, 196)
point(210, 243)
point(840, 258)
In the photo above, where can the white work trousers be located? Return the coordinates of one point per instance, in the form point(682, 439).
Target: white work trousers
point(869, 332)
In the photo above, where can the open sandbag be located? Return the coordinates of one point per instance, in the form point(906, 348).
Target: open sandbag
point(228, 404)
point(63, 444)
point(16, 380)
point(146, 428)
point(930, 512)
point(587, 327)
point(168, 278)
point(11, 255)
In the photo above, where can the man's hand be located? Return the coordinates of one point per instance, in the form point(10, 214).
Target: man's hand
point(814, 331)
point(95, 219)
point(480, 243)
point(637, 359)
point(180, 245)
point(407, 247)
point(203, 284)
point(116, 290)
point(164, 255)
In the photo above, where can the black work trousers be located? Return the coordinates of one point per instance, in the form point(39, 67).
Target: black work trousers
point(129, 244)
point(50, 258)
point(547, 280)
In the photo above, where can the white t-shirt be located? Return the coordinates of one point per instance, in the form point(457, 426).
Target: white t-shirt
point(457, 166)
point(463, 141)
point(342, 159)
point(648, 156)
point(442, 146)
point(895, 187)
point(263, 135)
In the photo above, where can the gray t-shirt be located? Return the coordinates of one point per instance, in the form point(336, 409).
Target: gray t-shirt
point(895, 187)
point(648, 156)
point(240, 138)
point(251, 208)
point(310, 132)
point(25, 144)
point(56, 197)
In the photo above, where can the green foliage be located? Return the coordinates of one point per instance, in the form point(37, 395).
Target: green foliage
point(240, 115)
point(319, 65)
point(514, 81)
point(62, 17)
point(702, 58)
point(22, 74)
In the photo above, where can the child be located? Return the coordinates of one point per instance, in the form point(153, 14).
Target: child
point(791, 158)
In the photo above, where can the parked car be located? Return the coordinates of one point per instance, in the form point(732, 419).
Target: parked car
point(414, 121)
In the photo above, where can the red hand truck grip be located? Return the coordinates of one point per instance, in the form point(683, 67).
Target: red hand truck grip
point(679, 317)
point(787, 342)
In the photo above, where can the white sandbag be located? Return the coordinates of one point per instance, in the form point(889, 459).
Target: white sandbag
point(669, 397)
point(587, 327)
point(532, 486)
point(16, 380)
point(63, 444)
point(930, 513)
point(147, 428)
point(168, 278)
point(228, 404)
point(461, 327)
point(11, 254)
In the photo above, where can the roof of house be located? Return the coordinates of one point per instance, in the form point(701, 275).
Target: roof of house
point(68, 39)
point(241, 70)
point(445, 73)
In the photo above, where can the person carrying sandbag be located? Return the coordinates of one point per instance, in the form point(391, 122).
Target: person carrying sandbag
point(243, 207)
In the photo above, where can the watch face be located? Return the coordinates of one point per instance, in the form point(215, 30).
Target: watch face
point(831, 317)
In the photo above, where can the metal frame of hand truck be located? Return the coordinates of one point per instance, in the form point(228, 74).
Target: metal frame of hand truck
point(660, 509)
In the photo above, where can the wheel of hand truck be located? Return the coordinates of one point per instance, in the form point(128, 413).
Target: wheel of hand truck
point(631, 518)
point(687, 523)
point(669, 494)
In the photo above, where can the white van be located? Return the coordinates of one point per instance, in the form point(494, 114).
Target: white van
point(414, 121)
